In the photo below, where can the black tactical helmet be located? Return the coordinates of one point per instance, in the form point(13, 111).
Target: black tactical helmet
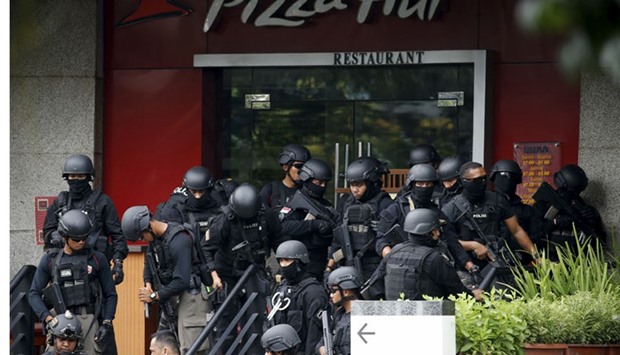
point(78, 164)
point(225, 187)
point(508, 166)
point(315, 169)
point(280, 337)
point(74, 224)
point(198, 178)
point(294, 152)
point(421, 172)
point(135, 221)
point(449, 167)
point(293, 249)
point(423, 153)
point(421, 221)
point(66, 326)
point(345, 277)
point(245, 201)
point(571, 178)
point(366, 168)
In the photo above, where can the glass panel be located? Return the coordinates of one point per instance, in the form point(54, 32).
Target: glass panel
point(393, 108)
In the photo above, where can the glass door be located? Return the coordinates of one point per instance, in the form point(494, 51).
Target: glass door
point(389, 109)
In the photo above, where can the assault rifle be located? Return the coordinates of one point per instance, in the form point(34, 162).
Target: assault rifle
point(502, 259)
point(396, 235)
point(546, 193)
point(53, 298)
point(302, 202)
point(166, 306)
point(342, 234)
point(327, 333)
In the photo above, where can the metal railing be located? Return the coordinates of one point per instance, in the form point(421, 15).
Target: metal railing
point(229, 302)
point(22, 316)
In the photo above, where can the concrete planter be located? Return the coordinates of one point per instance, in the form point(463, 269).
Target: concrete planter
point(571, 349)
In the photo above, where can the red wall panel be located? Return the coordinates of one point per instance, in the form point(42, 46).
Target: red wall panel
point(534, 103)
point(153, 133)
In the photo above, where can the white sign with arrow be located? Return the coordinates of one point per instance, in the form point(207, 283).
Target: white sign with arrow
point(403, 327)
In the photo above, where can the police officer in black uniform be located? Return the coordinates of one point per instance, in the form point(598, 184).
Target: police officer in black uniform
point(244, 233)
point(488, 209)
point(281, 339)
point(65, 335)
point(106, 236)
point(422, 154)
point(275, 194)
point(359, 212)
point(344, 287)
point(417, 267)
point(76, 278)
point(300, 298)
point(448, 173)
point(193, 202)
point(421, 179)
point(173, 253)
point(506, 175)
point(316, 232)
point(570, 181)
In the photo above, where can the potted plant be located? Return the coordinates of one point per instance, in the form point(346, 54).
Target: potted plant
point(554, 308)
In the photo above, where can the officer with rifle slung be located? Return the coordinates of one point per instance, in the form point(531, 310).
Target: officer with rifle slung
point(476, 215)
point(563, 207)
point(299, 298)
point(344, 287)
point(172, 275)
point(417, 267)
point(354, 238)
point(242, 234)
point(422, 179)
point(78, 279)
point(310, 218)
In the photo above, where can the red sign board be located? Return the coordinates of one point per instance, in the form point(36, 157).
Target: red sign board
point(539, 161)
point(41, 203)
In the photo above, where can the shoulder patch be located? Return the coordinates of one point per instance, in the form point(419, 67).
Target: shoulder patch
point(285, 210)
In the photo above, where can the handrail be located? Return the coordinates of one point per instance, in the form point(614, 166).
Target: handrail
point(22, 316)
point(229, 299)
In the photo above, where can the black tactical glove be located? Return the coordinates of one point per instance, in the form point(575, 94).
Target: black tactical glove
point(104, 334)
point(117, 272)
point(56, 240)
point(589, 214)
point(562, 222)
point(374, 225)
point(321, 227)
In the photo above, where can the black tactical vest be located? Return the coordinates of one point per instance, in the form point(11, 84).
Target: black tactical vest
point(96, 240)
point(404, 273)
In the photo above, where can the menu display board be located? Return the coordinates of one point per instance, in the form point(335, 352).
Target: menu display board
point(539, 161)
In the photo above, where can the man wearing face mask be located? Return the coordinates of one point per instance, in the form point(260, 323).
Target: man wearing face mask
point(106, 235)
point(192, 203)
point(506, 175)
point(448, 172)
point(570, 181)
point(314, 229)
point(418, 267)
point(489, 210)
point(421, 178)
point(303, 296)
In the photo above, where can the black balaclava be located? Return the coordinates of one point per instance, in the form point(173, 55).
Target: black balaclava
point(505, 184)
point(294, 272)
point(313, 190)
point(78, 188)
point(474, 191)
point(425, 240)
point(198, 203)
point(422, 195)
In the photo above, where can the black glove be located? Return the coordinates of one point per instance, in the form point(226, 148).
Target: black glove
point(117, 272)
point(321, 227)
point(56, 240)
point(589, 214)
point(104, 334)
point(562, 222)
point(374, 225)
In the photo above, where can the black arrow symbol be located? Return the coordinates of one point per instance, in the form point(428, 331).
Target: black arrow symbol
point(362, 332)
